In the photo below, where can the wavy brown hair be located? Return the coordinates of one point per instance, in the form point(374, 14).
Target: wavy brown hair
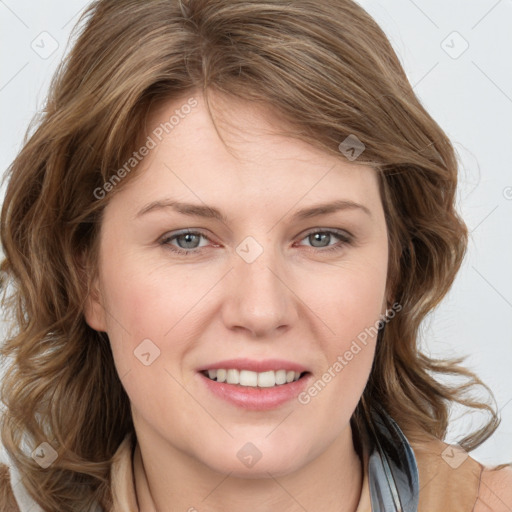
point(328, 71)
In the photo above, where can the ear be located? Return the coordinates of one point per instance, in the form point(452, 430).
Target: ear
point(94, 312)
point(384, 308)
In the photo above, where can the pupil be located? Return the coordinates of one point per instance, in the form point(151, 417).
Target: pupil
point(188, 240)
point(318, 237)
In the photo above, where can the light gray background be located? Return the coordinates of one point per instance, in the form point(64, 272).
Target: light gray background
point(469, 93)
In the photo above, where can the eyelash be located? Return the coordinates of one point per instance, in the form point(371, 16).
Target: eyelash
point(345, 239)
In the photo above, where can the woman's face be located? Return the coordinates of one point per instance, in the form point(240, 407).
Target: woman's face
point(251, 289)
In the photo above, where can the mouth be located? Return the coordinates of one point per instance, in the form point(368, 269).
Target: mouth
point(252, 379)
point(256, 385)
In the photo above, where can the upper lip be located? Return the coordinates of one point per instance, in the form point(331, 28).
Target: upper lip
point(255, 366)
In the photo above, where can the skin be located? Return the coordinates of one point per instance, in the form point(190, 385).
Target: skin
point(295, 302)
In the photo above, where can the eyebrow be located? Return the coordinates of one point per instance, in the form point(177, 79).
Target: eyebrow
point(213, 213)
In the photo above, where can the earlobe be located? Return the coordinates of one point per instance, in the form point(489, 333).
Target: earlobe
point(385, 306)
point(93, 310)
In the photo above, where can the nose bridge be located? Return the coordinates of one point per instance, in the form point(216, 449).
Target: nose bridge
point(258, 300)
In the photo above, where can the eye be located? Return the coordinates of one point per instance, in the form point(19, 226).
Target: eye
point(321, 238)
point(187, 242)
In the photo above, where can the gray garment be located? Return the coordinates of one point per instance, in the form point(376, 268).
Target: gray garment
point(392, 469)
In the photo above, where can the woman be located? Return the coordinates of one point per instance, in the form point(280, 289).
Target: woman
point(222, 239)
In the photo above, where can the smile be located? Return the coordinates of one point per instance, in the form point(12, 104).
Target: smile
point(249, 378)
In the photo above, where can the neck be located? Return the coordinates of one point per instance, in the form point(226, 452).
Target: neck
point(331, 482)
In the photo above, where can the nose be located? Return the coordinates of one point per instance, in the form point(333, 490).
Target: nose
point(257, 297)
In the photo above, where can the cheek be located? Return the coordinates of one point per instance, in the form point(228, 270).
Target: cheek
point(147, 328)
point(352, 310)
point(351, 299)
point(141, 296)
point(157, 302)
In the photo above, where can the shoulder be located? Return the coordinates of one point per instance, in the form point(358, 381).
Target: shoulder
point(7, 500)
point(450, 479)
point(495, 493)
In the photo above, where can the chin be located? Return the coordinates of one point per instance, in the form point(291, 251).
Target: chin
point(256, 460)
point(260, 470)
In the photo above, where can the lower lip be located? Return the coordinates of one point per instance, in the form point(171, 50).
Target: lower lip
point(254, 398)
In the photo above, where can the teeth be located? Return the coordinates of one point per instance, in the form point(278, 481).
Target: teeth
point(281, 377)
point(248, 378)
point(253, 379)
point(267, 379)
point(233, 377)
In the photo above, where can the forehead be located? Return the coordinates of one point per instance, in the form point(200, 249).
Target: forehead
point(245, 154)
